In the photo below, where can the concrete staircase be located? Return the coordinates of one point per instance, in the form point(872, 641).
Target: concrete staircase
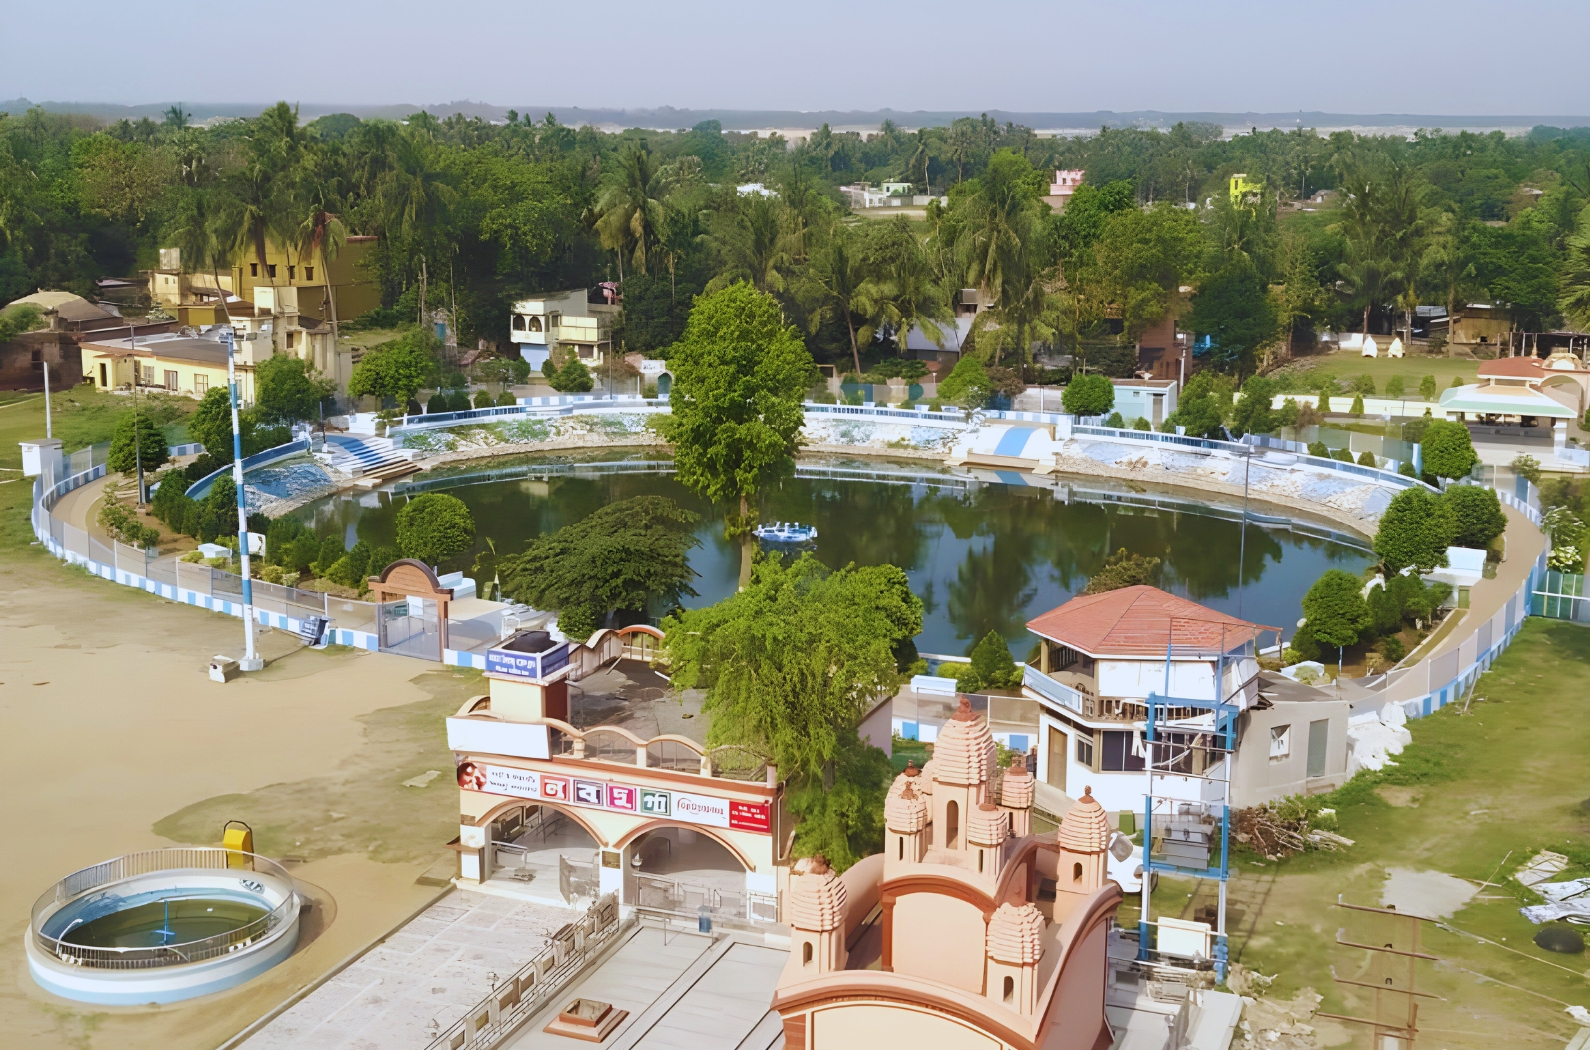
point(372, 460)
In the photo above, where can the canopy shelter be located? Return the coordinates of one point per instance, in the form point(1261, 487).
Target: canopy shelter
point(1512, 402)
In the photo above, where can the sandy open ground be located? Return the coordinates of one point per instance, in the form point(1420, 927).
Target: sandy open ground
point(110, 725)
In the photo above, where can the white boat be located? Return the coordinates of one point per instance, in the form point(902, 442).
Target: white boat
point(785, 532)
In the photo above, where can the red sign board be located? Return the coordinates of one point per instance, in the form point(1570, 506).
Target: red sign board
point(749, 816)
point(556, 788)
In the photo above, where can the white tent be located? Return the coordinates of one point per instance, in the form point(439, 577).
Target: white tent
point(1395, 349)
point(1370, 349)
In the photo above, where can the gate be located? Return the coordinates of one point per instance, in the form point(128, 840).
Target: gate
point(412, 627)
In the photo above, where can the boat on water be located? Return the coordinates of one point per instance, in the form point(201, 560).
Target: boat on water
point(785, 532)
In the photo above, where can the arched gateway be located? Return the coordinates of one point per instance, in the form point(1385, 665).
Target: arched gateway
point(552, 812)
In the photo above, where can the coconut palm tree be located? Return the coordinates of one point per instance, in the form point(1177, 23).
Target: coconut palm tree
point(843, 284)
point(753, 243)
point(629, 212)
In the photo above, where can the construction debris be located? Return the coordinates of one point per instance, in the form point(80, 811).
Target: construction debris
point(1286, 826)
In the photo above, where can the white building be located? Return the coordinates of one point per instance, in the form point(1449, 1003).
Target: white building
point(568, 319)
point(1100, 656)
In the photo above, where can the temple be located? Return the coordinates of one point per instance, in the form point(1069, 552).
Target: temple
point(968, 930)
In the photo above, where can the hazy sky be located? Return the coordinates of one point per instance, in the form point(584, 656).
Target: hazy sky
point(1350, 56)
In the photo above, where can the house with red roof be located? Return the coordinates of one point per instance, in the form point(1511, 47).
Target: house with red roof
point(1101, 656)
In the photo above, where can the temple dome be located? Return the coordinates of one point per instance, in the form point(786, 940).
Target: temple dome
point(1016, 788)
point(907, 812)
point(987, 825)
point(1086, 827)
point(911, 775)
point(961, 752)
point(1015, 935)
point(817, 901)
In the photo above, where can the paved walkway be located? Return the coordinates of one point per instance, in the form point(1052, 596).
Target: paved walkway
point(1525, 541)
point(432, 969)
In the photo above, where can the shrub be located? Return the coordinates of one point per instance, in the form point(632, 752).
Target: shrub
point(1526, 466)
point(1366, 458)
point(1115, 420)
point(1141, 424)
point(1394, 386)
point(1304, 645)
point(1345, 455)
point(380, 558)
point(1416, 529)
point(935, 405)
point(1123, 569)
point(967, 384)
point(578, 622)
point(1393, 649)
point(483, 399)
point(1405, 468)
point(331, 550)
point(192, 519)
point(1427, 388)
point(991, 666)
point(211, 522)
point(1358, 405)
point(572, 378)
point(1317, 448)
point(506, 399)
point(1364, 384)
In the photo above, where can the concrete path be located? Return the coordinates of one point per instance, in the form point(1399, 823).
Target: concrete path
point(431, 970)
point(1525, 541)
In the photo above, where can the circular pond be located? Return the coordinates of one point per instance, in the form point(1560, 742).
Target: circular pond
point(984, 551)
point(162, 926)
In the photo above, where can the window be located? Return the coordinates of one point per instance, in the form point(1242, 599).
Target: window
point(309, 273)
point(902, 849)
point(1116, 755)
point(532, 323)
point(1076, 873)
point(292, 273)
point(1010, 989)
point(103, 379)
point(806, 954)
point(1280, 743)
point(292, 337)
point(201, 383)
point(253, 269)
point(270, 270)
point(952, 828)
point(171, 381)
point(1085, 751)
point(1319, 734)
point(518, 322)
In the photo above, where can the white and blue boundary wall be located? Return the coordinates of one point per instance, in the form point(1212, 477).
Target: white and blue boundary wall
point(1422, 688)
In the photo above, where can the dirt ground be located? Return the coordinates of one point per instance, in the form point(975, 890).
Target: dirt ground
point(113, 739)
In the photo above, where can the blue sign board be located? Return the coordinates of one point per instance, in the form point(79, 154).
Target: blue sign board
point(528, 665)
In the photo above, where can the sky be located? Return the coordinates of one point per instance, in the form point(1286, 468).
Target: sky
point(1349, 56)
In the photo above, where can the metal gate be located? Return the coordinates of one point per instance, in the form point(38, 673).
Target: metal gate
point(411, 627)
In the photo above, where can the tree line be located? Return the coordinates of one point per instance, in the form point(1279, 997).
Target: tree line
point(473, 215)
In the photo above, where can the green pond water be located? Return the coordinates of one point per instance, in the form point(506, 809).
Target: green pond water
point(160, 922)
point(982, 556)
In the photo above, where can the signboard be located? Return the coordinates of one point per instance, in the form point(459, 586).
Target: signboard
point(750, 816)
point(701, 809)
point(528, 665)
point(681, 806)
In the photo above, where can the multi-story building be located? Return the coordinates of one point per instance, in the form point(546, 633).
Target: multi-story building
point(541, 324)
point(1062, 186)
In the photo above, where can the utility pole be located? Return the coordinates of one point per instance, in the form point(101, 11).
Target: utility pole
point(132, 338)
point(47, 432)
point(251, 660)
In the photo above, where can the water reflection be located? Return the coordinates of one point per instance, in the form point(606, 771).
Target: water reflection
point(983, 556)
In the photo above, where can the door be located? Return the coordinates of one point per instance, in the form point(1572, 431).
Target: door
point(171, 381)
point(1318, 746)
point(104, 378)
point(1056, 773)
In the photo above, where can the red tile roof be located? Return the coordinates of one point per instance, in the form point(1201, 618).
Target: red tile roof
point(1513, 368)
point(1138, 621)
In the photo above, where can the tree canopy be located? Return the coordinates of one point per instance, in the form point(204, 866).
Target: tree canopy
point(623, 558)
point(1448, 451)
point(792, 662)
point(433, 527)
point(740, 373)
point(289, 389)
point(135, 439)
point(1335, 611)
point(1415, 530)
point(1088, 395)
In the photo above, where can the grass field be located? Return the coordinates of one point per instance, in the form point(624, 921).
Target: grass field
point(1348, 366)
point(1474, 797)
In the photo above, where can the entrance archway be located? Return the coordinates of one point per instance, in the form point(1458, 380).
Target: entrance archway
point(683, 869)
point(545, 851)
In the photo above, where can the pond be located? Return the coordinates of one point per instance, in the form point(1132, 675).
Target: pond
point(982, 554)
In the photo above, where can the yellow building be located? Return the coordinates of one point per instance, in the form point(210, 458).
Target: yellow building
point(1245, 190)
point(174, 363)
point(315, 280)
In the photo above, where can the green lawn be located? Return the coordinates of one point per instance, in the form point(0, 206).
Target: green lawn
point(1347, 367)
point(81, 416)
point(1505, 781)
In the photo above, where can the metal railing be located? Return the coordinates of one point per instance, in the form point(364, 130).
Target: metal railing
point(149, 862)
point(523, 993)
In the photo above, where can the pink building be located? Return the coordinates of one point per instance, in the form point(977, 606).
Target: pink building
point(1063, 185)
point(968, 930)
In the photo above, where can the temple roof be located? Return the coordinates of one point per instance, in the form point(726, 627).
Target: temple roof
point(1015, 935)
point(1086, 827)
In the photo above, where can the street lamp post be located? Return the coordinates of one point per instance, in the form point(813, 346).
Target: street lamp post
point(1242, 543)
point(251, 660)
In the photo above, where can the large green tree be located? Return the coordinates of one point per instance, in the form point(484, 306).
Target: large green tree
point(740, 373)
point(1477, 516)
point(1447, 451)
point(136, 439)
point(623, 558)
point(1088, 395)
point(396, 369)
point(433, 527)
point(1233, 308)
point(791, 663)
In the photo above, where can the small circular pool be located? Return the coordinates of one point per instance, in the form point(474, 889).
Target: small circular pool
point(162, 926)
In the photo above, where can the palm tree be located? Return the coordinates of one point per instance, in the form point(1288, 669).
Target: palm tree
point(629, 213)
point(415, 193)
point(844, 285)
point(919, 160)
point(1575, 299)
point(753, 244)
